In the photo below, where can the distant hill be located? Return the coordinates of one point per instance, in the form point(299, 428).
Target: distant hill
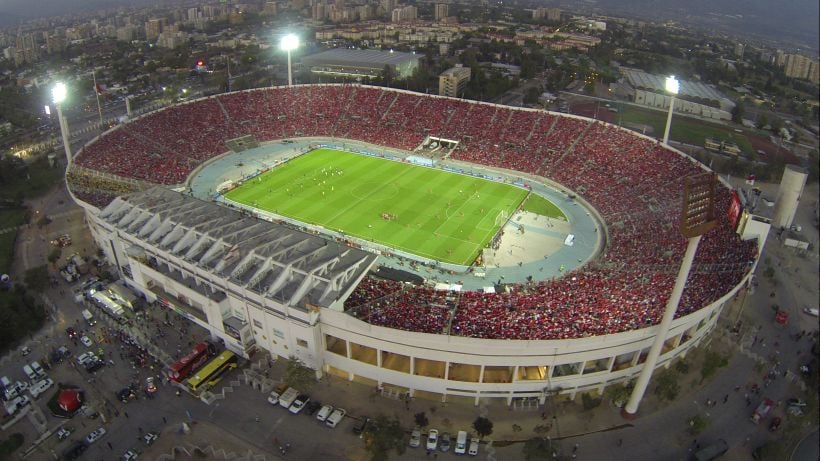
point(795, 21)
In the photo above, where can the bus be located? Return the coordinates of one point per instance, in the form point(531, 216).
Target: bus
point(209, 375)
point(183, 368)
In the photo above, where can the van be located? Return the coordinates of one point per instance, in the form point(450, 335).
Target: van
point(38, 370)
point(89, 317)
point(461, 443)
point(5, 382)
point(287, 398)
point(473, 451)
point(32, 376)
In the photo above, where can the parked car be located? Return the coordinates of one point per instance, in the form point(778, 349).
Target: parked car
point(461, 443)
point(299, 404)
point(762, 410)
point(130, 455)
point(361, 425)
point(95, 435)
point(71, 332)
point(150, 437)
point(336, 417)
point(324, 412)
point(39, 388)
point(25, 351)
point(444, 442)
point(432, 439)
point(273, 398)
point(415, 438)
point(63, 433)
point(473, 451)
point(86, 358)
point(312, 407)
point(86, 341)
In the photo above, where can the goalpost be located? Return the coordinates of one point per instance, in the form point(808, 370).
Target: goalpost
point(501, 218)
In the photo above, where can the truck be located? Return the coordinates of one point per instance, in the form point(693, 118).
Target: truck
point(287, 398)
point(89, 317)
point(762, 410)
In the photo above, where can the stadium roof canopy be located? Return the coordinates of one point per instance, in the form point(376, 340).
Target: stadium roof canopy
point(359, 58)
point(285, 265)
point(657, 83)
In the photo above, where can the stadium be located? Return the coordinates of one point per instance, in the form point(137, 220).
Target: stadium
point(446, 248)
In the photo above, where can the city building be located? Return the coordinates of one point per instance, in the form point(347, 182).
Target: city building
point(452, 81)
point(650, 90)
point(800, 67)
point(550, 14)
point(406, 13)
point(153, 27)
point(441, 11)
point(344, 62)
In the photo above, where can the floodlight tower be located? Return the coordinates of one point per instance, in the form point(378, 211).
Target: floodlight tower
point(697, 218)
point(672, 87)
point(289, 43)
point(58, 95)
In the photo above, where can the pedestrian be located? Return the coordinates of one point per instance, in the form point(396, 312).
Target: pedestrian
point(725, 398)
point(575, 448)
point(110, 447)
point(620, 442)
point(125, 413)
point(164, 420)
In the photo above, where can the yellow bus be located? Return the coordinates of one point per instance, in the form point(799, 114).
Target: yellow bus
point(209, 375)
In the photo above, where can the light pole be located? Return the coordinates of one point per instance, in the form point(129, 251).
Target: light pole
point(697, 218)
point(58, 94)
point(289, 43)
point(672, 87)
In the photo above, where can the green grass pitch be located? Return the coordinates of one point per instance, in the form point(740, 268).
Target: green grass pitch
point(431, 213)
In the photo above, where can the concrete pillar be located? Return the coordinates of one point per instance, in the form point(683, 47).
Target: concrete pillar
point(641, 384)
point(788, 196)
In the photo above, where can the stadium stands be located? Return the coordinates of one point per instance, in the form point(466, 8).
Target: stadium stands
point(627, 178)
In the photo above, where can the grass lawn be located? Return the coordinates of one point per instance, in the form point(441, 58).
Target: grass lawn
point(541, 206)
point(432, 213)
point(684, 129)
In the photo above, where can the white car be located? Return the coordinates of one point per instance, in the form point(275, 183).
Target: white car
point(324, 412)
point(63, 433)
point(415, 438)
point(87, 357)
point(150, 438)
point(86, 341)
point(335, 417)
point(432, 439)
point(813, 312)
point(299, 404)
point(130, 455)
point(95, 435)
point(42, 386)
point(473, 451)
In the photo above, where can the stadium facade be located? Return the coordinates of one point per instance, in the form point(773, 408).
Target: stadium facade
point(258, 285)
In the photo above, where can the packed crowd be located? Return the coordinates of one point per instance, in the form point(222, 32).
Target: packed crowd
point(631, 181)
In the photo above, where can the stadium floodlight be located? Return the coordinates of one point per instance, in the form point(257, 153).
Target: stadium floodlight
point(672, 87)
point(59, 93)
point(289, 43)
point(697, 218)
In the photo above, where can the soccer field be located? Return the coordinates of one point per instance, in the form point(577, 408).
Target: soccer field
point(431, 213)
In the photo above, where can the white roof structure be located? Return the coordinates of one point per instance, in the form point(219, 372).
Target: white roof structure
point(278, 262)
point(657, 83)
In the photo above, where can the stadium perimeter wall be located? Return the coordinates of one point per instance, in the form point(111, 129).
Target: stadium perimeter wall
point(497, 368)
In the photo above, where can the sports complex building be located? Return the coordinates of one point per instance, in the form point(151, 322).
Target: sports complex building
point(190, 204)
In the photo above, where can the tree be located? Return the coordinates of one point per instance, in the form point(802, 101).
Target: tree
point(711, 362)
point(532, 94)
point(737, 112)
point(387, 75)
point(666, 385)
point(382, 435)
point(483, 426)
point(298, 375)
point(36, 278)
point(421, 419)
point(619, 393)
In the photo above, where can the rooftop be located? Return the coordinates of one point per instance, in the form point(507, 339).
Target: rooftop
point(355, 57)
point(288, 266)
